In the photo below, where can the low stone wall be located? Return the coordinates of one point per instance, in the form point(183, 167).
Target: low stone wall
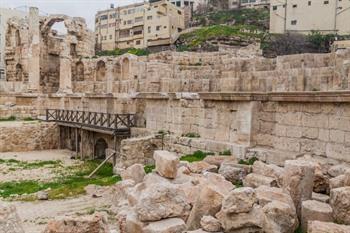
point(28, 136)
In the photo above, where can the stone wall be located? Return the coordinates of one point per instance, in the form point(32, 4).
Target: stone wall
point(317, 128)
point(28, 136)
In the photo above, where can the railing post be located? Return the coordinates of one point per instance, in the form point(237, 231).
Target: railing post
point(47, 114)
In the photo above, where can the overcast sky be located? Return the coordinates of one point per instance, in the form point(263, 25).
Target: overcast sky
point(82, 8)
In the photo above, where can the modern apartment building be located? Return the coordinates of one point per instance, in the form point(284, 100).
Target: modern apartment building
point(6, 14)
point(326, 16)
point(138, 25)
point(255, 3)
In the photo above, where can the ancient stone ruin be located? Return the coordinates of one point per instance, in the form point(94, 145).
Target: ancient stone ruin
point(274, 133)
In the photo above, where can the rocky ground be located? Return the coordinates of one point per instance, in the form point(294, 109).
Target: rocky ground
point(199, 194)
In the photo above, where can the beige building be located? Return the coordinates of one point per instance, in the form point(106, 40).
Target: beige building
point(326, 16)
point(138, 25)
point(5, 14)
point(254, 3)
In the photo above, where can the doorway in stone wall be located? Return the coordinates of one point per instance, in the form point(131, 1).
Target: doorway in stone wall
point(100, 148)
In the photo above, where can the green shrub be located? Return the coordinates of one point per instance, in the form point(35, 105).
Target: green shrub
point(10, 118)
point(250, 161)
point(28, 119)
point(149, 168)
point(225, 152)
point(191, 135)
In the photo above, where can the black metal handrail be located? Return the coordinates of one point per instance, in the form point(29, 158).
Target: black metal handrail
point(115, 122)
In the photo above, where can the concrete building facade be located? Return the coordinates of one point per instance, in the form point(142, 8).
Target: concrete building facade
point(138, 25)
point(326, 16)
point(6, 14)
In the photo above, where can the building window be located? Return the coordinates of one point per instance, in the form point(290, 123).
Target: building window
point(129, 21)
point(158, 28)
point(326, 2)
point(138, 42)
point(309, 3)
point(274, 8)
point(138, 19)
point(131, 11)
point(178, 4)
point(293, 22)
point(149, 30)
point(104, 17)
point(149, 17)
point(179, 12)
point(164, 26)
point(138, 32)
point(295, 6)
point(110, 37)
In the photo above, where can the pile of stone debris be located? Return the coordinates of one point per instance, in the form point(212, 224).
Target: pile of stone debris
point(201, 197)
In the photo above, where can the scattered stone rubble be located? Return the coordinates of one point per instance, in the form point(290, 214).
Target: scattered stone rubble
point(188, 197)
point(9, 220)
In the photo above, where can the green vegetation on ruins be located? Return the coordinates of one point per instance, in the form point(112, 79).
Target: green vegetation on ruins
point(118, 52)
point(249, 161)
point(196, 156)
point(191, 135)
point(258, 18)
point(13, 118)
point(71, 181)
point(12, 163)
point(149, 168)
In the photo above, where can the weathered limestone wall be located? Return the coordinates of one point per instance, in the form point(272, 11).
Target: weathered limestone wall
point(318, 128)
point(212, 120)
point(28, 136)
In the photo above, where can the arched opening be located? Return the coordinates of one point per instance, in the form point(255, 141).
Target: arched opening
point(59, 28)
point(79, 71)
point(125, 68)
point(17, 38)
point(100, 148)
point(100, 71)
point(117, 71)
point(19, 72)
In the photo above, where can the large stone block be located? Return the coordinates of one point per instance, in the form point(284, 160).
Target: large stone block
point(166, 163)
point(314, 210)
point(162, 200)
point(298, 181)
point(340, 202)
point(326, 227)
point(170, 225)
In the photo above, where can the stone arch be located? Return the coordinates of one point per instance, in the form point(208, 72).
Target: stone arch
point(17, 38)
point(125, 68)
point(79, 71)
point(100, 71)
point(117, 71)
point(19, 72)
point(100, 148)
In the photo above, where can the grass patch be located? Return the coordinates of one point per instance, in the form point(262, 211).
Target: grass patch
point(30, 165)
point(249, 161)
point(200, 37)
point(28, 119)
point(10, 118)
point(149, 168)
point(238, 184)
point(67, 185)
point(196, 156)
point(191, 135)
point(299, 230)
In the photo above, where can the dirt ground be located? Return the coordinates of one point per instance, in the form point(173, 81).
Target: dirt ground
point(35, 214)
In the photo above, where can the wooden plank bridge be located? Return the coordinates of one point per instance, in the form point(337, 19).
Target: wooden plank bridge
point(116, 124)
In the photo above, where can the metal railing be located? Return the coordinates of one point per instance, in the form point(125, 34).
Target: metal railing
point(107, 121)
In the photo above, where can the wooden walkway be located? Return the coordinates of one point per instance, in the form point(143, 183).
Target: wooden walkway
point(117, 124)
